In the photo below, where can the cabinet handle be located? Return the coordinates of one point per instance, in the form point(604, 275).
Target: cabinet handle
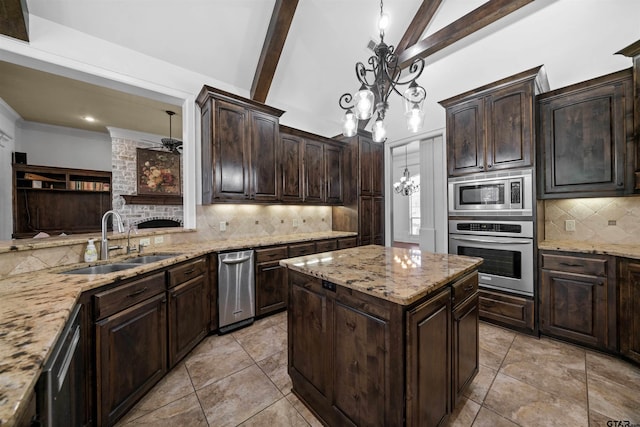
point(621, 184)
point(570, 264)
point(138, 292)
point(467, 288)
point(189, 271)
point(275, 267)
point(489, 166)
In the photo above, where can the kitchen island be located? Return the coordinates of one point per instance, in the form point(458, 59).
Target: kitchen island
point(382, 336)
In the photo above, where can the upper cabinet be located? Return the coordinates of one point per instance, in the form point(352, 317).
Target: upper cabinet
point(492, 127)
point(633, 173)
point(585, 132)
point(240, 148)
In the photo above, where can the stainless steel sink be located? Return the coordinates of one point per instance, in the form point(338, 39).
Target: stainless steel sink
point(101, 269)
point(146, 259)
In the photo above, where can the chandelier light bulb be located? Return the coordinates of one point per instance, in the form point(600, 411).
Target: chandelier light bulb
point(363, 100)
point(415, 119)
point(349, 124)
point(383, 22)
point(379, 132)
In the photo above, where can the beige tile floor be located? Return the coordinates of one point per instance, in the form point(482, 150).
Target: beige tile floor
point(240, 379)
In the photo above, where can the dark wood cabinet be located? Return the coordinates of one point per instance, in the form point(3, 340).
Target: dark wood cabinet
point(585, 132)
point(347, 242)
point(188, 311)
point(240, 148)
point(326, 245)
point(271, 284)
point(314, 172)
point(633, 174)
point(515, 312)
point(429, 361)
point(58, 200)
point(213, 291)
point(578, 298)
point(131, 344)
point(292, 149)
point(493, 127)
point(371, 220)
point(333, 173)
point(629, 305)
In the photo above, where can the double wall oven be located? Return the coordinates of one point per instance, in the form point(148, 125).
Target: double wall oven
point(490, 216)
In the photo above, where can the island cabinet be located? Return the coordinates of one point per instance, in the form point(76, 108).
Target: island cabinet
point(578, 298)
point(131, 344)
point(356, 359)
point(492, 127)
point(629, 304)
point(188, 311)
point(586, 138)
point(240, 148)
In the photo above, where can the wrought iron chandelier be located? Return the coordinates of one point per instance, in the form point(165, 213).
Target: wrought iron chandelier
point(377, 82)
point(406, 186)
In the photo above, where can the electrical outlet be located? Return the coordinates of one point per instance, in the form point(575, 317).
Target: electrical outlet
point(158, 239)
point(570, 225)
point(295, 222)
point(223, 225)
point(145, 241)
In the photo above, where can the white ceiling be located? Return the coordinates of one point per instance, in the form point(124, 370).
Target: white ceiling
point(221, 41)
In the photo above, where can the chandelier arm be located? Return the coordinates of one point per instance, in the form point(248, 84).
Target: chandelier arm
point(416, 68)
point(346, 101)
point(361, 73)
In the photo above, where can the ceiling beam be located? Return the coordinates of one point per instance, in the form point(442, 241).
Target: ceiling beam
point(281, 18)
point(420, 21)
point(14, 19)
point(473, 21)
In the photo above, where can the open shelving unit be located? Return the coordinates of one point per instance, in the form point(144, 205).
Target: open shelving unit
point(58, 200)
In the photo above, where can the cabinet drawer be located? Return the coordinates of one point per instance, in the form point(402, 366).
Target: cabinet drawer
point(464, 288)
point(507, 310)
point(302, 249)
point(187, 271)
point(326, 245)
point(347, 242)
point(124, 296)
point(271, 254)
point(575, 264)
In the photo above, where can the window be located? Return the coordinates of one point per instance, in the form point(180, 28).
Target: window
point(414, 209)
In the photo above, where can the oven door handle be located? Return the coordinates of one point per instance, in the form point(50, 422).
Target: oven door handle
point(509, 240)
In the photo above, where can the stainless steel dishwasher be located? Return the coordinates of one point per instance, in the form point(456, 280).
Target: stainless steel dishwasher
point(236, 290)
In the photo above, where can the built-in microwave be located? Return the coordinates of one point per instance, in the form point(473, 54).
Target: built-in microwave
point(493, 193)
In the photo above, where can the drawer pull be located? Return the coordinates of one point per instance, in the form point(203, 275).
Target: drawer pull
point(467, 288)
point(571, 264)
point(138, 292)
point(275, 267)
point(189, 271)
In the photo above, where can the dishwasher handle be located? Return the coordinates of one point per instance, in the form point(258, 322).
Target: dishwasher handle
point(236, 261)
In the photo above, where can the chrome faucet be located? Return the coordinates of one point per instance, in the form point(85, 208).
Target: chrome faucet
point(117, 223)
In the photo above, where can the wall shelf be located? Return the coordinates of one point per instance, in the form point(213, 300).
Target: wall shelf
point(152, 199)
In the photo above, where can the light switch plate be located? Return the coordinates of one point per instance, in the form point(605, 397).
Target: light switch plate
point(158, 239)
point(570, 225)
point(145, 241)
point(295, 222)
point(223, 225)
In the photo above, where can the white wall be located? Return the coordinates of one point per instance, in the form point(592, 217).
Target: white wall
point(58, 146)
point(8, 118)
point(400, 209)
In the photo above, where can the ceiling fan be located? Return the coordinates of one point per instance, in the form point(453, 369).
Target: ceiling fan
point(170, 144)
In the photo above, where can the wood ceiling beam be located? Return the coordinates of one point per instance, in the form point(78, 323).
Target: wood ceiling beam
point(281, 18)
point(14, 19)
point(420, 21)
point(473, 21)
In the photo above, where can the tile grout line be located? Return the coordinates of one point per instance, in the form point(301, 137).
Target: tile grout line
point(196, 392)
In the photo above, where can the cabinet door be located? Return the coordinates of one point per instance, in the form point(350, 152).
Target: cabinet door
point(310, 343)
point(265, 160)
point(509, 124)
point(465, 137)
point(377, 221)
point(630, 309)
point(292, 160)
point(314, 178)
point(361, 366)
point(366, 166)
point(365, 220)
point(583, 135)
point(333, 165)
point(131, 356)
point(428, 372)
point(271, 287)
point(465, 345)
point(231, 135)
point(574, 306)
point(188, 317)
point(377, 169)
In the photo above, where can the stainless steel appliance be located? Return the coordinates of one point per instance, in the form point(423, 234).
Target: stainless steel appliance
point(507, 193)
point(59, 391)
point(505, 246)
point(236, 290)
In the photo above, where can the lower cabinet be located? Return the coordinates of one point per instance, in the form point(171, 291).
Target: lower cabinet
point(629, 303)
point(271, 284)
point(464, 336)
point(188, 317)
point(131, 344)
point(578, 298)
point(509, 310)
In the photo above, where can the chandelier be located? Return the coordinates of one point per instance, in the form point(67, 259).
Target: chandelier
point(406, 186)
point(377, 83)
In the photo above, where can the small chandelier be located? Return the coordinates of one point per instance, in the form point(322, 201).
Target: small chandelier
point(406, 186)
point(376, 83)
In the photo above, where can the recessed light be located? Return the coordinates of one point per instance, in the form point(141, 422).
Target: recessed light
point(89, 119)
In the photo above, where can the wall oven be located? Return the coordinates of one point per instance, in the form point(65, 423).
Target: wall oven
point(506, 248)
point(507, 193)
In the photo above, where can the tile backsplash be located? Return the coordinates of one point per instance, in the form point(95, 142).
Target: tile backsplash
point(604, 220)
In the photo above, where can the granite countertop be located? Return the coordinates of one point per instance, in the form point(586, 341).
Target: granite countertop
point(399, 275)
point(626, 251)
point(34, 307)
